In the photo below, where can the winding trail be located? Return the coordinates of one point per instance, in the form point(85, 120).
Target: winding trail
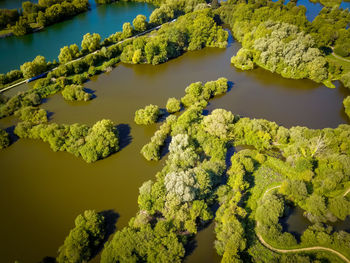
point(339, 57)
point(118, 43)
point(296, 250)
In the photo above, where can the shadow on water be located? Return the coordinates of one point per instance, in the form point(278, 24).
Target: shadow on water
point(111, 218)
point(124, 135)
point(50, 114)
point(296, 223)
point(90, 91)
point(11, 131)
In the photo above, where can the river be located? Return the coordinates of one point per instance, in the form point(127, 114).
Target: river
point(102, 19)
point(42, 191)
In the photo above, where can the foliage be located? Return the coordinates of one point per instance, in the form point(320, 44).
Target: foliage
point(32, 114)
point(151, 151)
point(68, 53)
point(173, 105)
point(34, 68)
point(4, 139)
point(91, 144)
point(75, 93)
point(346, 103)
point(140, 24)
point(91, 42)
point(148, 115)
point(84, 239)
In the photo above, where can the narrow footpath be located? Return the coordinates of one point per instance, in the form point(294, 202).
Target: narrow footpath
point(297, 250)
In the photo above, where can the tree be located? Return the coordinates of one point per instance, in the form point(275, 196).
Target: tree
point(173, 105)
point(75, 93)
point(22, 27)
point(182, 185)
point(127, 30)
point(91, 42)
point(148, 115)
point(218, 123)
point(101, 141)
point(68, 53)
point(84, 239)
point(140, 24)
point(161, 15)
point(34, 68)
point(32, 114)
point(4, 139)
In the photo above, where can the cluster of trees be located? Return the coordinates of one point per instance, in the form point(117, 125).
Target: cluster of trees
point(148, 115)
point(192, 31)
point(4, 139)
point(32, 114)
point(278, 47)
point(281, 48)
point(84, 239)
point(75, 93)
point(151, 151)
point(22, 99)
point(42, 14)
point(178, 202)
point(91, 144)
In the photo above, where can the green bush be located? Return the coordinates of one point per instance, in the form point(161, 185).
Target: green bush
point(75, 93)
point(173, 105)
point(4, 139)
point(148, 115)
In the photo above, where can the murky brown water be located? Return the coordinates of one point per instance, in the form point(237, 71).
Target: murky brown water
point(41, 191)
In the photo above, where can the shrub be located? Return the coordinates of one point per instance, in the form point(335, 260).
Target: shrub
point(148, 115)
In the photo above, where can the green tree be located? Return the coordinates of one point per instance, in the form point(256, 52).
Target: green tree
point(173, 105)
point(148, 115)
point(91, 42)
point(84, 239)
point(140, 24)
point(4, 139)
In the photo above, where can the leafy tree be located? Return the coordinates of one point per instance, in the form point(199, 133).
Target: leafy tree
point(75, 93)
point(101, 141)
point(182, 185)
point(173, 105)
point(34, 68)
point(218, 123)
point(32, 114)
point(161, 15)
point(21, 28)
point(4, 139)
point(127, 30)
point(68, 53)
point(140, 24)
point(91, 42)
point(148, 115)
point(84, 239)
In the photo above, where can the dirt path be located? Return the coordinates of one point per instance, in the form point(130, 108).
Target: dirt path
point(118, 43)
point(296, 250)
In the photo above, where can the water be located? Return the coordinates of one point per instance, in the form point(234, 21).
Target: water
point(297, 223)
point(104, 19)
point(13, 4)
point(42, 191)
point(313, 9)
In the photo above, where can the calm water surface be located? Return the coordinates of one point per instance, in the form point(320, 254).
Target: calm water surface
point(104, 19)
point(42, 191)
point(13, 4)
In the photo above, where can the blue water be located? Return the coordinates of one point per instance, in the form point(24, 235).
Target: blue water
point(313, 9)
point(105, 20)
point(13, 4)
